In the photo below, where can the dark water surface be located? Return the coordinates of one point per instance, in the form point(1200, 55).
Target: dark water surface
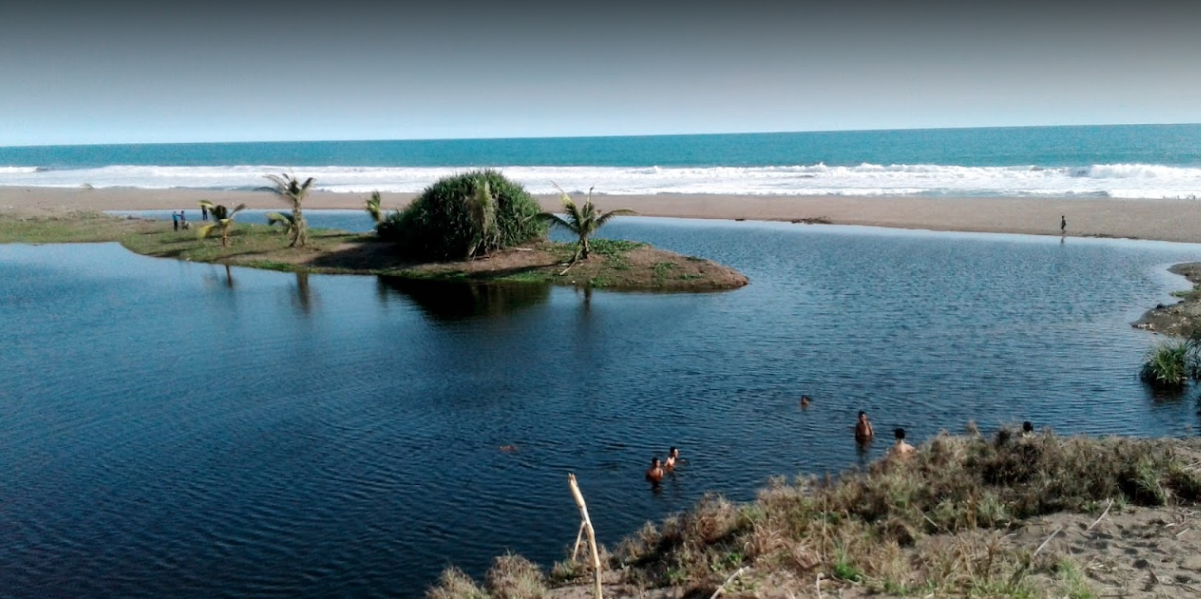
point(170, 429)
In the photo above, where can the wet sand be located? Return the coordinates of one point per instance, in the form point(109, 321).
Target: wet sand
point(1168, 220)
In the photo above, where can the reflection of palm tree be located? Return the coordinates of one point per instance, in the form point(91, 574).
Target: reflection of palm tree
point(302, 291)
point(291, 189)
point(582, 220)
point(229, 277)
point(223, 219)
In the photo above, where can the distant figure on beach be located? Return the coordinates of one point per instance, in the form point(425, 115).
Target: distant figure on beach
point(1027, 428)
point(1063, 225)
point(174, 220)
point(804, 401)
point(863, 429)
point(901, 450)
point(673, 458)
point(655, 473)
point(204, 212)
point(183, 221)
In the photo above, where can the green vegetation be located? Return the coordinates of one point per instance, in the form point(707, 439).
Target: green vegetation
point(223, 220)
point(292, 190)
point(464, 216)
point(935, 524)
point(374, 208)
point(625, 265)
point(582, 220)
point(1172, 363)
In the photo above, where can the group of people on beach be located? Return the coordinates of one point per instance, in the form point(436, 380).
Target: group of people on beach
point(179, 220)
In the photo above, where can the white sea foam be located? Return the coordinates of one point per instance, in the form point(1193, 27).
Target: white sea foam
point(1101, 180)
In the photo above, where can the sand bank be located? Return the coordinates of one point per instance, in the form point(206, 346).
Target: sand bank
point(1168, 220)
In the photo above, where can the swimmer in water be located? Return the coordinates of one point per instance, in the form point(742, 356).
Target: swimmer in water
point(654, 474)
point(673, 458)
point(863, 429)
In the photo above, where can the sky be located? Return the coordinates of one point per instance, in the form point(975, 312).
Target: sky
point(138, 72)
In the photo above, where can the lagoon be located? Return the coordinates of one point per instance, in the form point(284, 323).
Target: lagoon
point(170, 429)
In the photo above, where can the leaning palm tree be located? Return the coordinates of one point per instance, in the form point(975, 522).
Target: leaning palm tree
point(223, 220)
point(291, 189)
point(373, 207)
point(583, 220)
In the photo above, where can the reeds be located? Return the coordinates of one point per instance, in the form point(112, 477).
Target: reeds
point(1172, 363)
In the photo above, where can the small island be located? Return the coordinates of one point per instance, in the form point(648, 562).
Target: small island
point(475, 227)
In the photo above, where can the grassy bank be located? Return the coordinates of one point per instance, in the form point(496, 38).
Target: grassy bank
point(615, 265)
point(1182, 319)
point(1007, 516)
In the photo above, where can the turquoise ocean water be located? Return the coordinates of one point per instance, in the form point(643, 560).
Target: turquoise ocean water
point(1135, 161)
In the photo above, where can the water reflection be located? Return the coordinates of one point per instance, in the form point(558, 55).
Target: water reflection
point(304, 295)
point(443, 300)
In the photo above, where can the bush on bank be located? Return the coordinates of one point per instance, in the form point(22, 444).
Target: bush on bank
point(452, 219)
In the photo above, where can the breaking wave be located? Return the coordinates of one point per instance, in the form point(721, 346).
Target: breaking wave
point(1099, 180)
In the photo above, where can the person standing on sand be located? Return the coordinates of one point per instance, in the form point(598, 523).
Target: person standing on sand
point(204, 212)
point(174, 220)
point(654, 474)
point(1063, 225)
point(901, 450)
point(863, 429)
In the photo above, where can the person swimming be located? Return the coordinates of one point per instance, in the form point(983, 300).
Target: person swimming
point(654, 474)
point(673, 457)
point(804, 401)
point(863, 429)
point(901, 449)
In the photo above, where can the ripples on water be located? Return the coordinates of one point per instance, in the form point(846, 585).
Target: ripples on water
point(180, 430)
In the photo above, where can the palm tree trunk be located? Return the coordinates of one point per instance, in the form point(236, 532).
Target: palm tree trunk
point(302, 229)
point(584, 248)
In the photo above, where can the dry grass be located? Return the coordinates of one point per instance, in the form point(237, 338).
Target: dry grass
point(935, 524)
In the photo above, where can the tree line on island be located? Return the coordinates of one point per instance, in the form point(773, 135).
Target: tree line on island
point(463, 216)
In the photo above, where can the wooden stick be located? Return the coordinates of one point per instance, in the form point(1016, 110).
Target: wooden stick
point(1040, 547)
point(579, 502)
point(723, 585)
point(1090, 526)
point(578, 538)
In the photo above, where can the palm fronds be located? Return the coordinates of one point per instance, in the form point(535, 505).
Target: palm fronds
point(290, 188)
point(373, 207)
point(223, 220)
point(581, 219)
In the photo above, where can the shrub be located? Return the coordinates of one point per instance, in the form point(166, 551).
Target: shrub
point(1170, 364)
point(515, 577)
point(449, 220)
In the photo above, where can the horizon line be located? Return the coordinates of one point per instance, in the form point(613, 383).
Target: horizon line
point(559, 137)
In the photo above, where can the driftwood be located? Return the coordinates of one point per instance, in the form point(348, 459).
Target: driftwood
point(586, 527)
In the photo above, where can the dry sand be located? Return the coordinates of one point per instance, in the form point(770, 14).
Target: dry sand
point(1168, 220)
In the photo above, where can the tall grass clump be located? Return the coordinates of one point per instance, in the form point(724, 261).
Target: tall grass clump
point(1171, 364)
point(464, 216)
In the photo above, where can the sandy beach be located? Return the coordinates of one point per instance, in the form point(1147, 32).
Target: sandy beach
point(1167, 220)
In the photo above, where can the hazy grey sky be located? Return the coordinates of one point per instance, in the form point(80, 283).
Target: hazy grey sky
point(128, 72)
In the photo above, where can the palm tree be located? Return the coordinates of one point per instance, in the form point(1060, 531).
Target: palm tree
point(287, 221)
point(373, 207)
point(291, 189)
point(223, 219)
point(482, 208)
point(582, 220)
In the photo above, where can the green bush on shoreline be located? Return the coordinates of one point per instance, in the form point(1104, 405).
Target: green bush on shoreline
point(448, 222)
point(1172, 363)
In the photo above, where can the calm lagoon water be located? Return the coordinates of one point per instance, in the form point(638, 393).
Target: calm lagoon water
point(170, 429)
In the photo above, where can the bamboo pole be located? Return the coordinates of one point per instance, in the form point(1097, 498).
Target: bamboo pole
point(579, 502)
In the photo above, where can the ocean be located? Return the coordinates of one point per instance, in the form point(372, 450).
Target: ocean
point(1120, 161)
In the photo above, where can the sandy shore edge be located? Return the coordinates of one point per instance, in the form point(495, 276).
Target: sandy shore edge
point(1166, 220)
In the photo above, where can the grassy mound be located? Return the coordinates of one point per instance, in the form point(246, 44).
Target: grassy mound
point(448, 221)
